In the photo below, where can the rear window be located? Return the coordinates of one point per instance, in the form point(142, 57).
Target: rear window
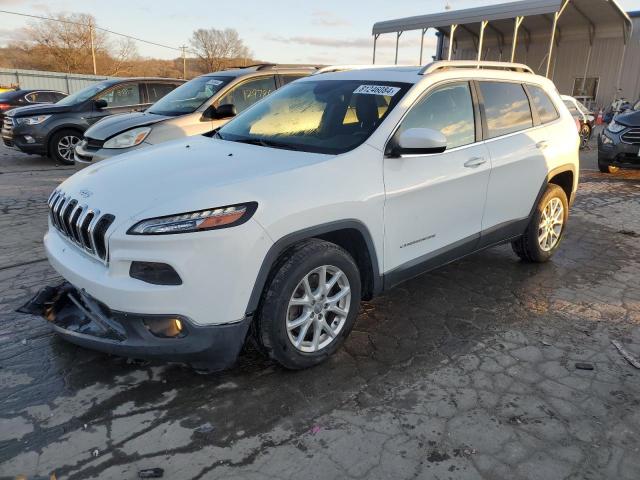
point(506, 108)
point(544, 106)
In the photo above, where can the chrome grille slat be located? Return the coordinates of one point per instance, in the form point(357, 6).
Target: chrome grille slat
point(632, 136)
point(78, 221)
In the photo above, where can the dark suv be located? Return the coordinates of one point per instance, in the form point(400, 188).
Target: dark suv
point(23, 97)
point(54, 130)
point(619, 143)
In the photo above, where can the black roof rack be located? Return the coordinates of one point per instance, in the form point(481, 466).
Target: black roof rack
point(266, 66)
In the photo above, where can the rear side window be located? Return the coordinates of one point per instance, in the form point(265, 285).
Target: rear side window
point(290, 78)
point(506, 108)
point(544, 106)
point(448, 109)
point(158, 90)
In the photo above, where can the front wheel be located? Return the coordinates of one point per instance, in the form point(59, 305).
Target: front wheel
point(546, 227)
point(62, 146)
point(310, 305)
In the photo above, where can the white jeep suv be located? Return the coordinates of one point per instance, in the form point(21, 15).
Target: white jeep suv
point(327, 192)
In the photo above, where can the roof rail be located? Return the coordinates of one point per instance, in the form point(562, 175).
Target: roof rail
point(447, 64)
point(342, 68)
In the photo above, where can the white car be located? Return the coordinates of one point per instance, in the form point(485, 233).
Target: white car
point(327, 192)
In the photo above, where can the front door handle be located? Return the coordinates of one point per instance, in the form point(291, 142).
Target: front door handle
point(542, 144)
point(475, 162)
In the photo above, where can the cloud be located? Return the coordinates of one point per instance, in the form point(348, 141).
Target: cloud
point(363, 42)
point(328, 19)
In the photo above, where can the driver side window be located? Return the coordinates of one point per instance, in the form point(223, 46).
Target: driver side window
point(248, 93)
point(448, 109)
point(122, 96)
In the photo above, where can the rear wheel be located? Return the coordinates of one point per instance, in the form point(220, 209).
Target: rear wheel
point(62, 145)
point(546, 227)
point(310, 305)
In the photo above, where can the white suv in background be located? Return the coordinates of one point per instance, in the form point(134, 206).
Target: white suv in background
point(326, 192)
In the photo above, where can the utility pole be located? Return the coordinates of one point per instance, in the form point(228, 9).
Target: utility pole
point(93, 48)
point(184, 61)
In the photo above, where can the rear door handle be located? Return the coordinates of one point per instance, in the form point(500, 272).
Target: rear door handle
point(475, 162)
point(542, 144)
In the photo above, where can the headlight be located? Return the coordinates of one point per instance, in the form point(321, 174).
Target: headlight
point(31, 120)
point(615, 127)
point(606, 140)
point(221, 217)
point(130, 138)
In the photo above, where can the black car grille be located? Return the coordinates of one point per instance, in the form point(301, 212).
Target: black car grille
point(631, 136)
point(92, 143)
point(83, 225)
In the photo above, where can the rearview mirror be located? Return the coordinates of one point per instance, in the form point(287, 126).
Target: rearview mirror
point(226, 111)
point(100, 103)
point(223, 111)
point(419, 141)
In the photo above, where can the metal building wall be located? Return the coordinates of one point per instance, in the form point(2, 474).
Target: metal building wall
point(62, 82)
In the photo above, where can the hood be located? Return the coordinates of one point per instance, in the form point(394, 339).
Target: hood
point(114, 124)
point(42, 109)
point(631, 119)
point(182, 175)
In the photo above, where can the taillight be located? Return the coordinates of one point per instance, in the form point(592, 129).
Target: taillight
point(4, 106)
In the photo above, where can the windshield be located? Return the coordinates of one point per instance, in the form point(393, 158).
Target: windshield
point(84, 94)
point(323, 116)
point(189, 96)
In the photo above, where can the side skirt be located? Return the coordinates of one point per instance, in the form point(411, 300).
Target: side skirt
point(497, 235)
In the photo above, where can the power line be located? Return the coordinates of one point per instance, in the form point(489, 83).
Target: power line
point(97, 28)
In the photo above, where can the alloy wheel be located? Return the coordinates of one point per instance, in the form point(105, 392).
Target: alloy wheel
point(318, 309)
point(66, 146)
point(551, 223)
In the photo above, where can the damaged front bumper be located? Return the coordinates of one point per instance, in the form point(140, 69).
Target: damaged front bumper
point(83, 320)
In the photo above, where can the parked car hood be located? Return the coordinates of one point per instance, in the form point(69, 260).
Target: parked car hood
point(114, 124)
point(631, 119)
point(43, 109)
point(181, 176)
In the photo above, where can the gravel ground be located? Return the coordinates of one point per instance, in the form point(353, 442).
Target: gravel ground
point(468, 372)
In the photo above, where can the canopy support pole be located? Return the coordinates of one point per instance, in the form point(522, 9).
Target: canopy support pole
point(452, 32)
point(424, 30)
point(483, 25)
point(397, 44)
point(516, 27)
point(375, 41)
point(556, 16)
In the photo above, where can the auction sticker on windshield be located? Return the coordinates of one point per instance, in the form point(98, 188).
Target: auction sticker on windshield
point(377, 90)
point(214, 82)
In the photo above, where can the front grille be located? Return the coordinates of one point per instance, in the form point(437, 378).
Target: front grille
point(92, 143)
point(632, 136)
point(81, 224)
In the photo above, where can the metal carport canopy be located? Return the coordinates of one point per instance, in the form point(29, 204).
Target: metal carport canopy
point(533, 17)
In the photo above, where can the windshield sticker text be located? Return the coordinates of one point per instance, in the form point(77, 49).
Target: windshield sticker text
point(377, 90)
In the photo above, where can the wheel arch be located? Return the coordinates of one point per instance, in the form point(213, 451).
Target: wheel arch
point(565, 177)
point(352, 235)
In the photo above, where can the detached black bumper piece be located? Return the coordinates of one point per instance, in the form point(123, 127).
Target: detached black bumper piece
point(84, 321)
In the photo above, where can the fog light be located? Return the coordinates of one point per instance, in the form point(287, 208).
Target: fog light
point(29, 139)
point(165, 327)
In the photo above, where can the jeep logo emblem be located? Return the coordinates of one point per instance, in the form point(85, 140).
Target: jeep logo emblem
point(86, 193)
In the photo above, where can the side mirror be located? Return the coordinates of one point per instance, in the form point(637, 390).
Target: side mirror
point(100, 104)
point(419, 141)
point(227, 110)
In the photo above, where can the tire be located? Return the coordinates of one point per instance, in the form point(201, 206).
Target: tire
point(275, 329)
point(603, 167)
point(62, 144)
point(530, 247)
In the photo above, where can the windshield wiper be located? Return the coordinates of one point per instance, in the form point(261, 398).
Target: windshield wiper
point(267, 143)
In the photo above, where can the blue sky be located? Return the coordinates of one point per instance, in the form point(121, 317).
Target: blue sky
point(286, 31)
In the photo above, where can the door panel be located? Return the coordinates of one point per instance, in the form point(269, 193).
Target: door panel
point(517, 153)
point(434, 203)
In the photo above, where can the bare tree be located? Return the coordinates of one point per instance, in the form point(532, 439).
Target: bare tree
point(68, 40)
point(215, 48)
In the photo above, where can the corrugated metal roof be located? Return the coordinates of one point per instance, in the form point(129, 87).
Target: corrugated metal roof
point(469, 15)
point(598, 12)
